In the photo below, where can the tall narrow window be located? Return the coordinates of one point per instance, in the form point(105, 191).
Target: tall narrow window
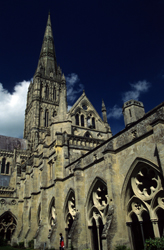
point(46, 118)
point(7, 167)
point(130, 113)
point(93, 122)
point(82, 120)
point(88, 122)
point(54, 94)
point(3, 165)
point(77, 119)
point(47, 92)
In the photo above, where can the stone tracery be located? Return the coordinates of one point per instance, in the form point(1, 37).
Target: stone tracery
point(7, 225)
point(147, 198)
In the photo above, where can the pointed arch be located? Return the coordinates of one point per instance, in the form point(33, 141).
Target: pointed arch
point(97, 205)
point(137, 206)
point(51, 212)
point(70, 205)
point(8, 224)
point(69, 215)
point(92, 186)
point(134, 165)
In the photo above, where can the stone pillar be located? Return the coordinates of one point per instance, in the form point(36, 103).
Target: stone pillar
point(81, 230)
point(155, 228)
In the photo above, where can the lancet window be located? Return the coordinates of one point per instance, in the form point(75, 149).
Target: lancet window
point(5, 166)
point(54, 94)
point(82, 120)
point(98, 210)
point(47, 92)
point(70, 215)
point(77, 119)
point(46, 117)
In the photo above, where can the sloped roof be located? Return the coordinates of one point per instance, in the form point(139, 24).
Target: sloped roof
point(11, 143)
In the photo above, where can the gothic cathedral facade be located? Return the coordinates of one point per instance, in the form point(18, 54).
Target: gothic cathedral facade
point(69, 174)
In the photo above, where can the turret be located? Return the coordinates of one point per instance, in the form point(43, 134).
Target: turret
point(132, 111)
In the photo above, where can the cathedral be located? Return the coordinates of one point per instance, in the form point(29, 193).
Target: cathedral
point(70, 175)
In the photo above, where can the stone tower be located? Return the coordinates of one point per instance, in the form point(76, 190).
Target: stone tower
point(132, 110)
point(44, 91)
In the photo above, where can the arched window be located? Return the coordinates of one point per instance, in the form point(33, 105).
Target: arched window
point(47, 92)
point(70, 213)
point(3, 165)
point(88, 122)
point(93, 122)
point(54, 94)
point(7, 167)
point(77, 119)
point(8, 225)
point(46, 118)
point(144, 185)
point(82, 120)
point(98, 204)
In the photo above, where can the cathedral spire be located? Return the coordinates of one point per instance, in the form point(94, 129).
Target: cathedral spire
point(47, 65)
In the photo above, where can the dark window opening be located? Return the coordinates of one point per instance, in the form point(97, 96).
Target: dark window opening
point(77, 119)
point(82, 120)
point(47, 92)
point(7, 167)
point(54, 94)
point(130, 113)
point(93, 122)
point(3, 165)
point(88, 135)
point(46, 118)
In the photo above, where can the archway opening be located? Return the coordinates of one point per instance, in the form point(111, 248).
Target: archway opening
point(7, 226)
point(147, 226)
point(94, 236)
point(137, 235)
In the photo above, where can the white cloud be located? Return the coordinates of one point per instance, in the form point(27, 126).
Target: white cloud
point(74, 87)
point(114, 112)
point(136, 90)
point(13, 109)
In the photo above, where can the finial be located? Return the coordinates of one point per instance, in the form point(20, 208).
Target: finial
point(83, 91)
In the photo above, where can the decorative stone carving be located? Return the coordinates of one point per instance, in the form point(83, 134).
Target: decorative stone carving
point(100, 197)
point(2, 201)
point(7, 224)
point(145, 182)
point(53, 216)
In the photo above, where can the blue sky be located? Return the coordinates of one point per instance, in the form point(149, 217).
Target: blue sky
point(112, 49)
